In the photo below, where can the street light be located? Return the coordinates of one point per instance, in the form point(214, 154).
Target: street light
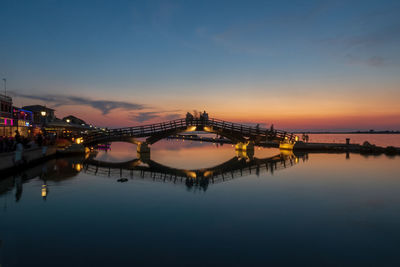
point(68, 120)
point(43, 113)
point(5, 86)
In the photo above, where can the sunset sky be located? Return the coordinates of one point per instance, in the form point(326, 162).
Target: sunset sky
point(317, 65)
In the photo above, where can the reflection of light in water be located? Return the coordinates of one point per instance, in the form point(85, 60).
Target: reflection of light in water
point(208, 173)
point(191, 174)
point(78, 167)
point(44, 190)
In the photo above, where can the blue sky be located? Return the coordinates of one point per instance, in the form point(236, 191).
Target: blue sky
point(166, 54)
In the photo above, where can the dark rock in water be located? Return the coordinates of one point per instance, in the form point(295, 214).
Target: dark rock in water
point(368, 148)
point(391, 150)
point(368, 144)
point(122, 180)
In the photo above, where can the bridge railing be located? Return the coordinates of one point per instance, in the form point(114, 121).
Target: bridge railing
point(249, 130)
point(139, 131)
point(216, 124)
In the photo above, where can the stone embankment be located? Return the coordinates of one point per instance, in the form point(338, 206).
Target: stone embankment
point(365, 148)
point(33, 156)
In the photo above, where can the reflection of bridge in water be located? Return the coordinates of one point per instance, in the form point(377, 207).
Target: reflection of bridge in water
point(59, 170)
point(149, 169)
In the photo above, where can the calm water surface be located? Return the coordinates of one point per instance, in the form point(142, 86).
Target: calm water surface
point(311, 210)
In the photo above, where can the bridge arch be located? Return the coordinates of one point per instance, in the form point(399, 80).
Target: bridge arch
point(114, 138)
point(163, 135)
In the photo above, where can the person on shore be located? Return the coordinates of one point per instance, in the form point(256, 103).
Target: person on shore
point(39, 139)
point(10, 144)
point(17, 135)
point(31, 143)
point(305, 138)
point(18, 152)
point(1, 144)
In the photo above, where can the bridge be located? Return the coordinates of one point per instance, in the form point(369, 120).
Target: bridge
point(231, 169)
point(244, 136)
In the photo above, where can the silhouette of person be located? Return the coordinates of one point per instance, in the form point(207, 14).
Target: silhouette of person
point(189, 117)
point(17, 135)
point(205, 115)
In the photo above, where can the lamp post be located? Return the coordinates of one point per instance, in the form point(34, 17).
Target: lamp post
point(44, 119)
point(5, 86)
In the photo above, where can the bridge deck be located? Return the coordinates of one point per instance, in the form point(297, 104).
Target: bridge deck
point(210, 125)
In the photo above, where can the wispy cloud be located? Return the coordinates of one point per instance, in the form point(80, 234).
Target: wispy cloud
point(173, 116)
point(374, 61)
point(105, 106)
point(367, 48)
point(384, 36)
point(144, 116)
point(149, 115)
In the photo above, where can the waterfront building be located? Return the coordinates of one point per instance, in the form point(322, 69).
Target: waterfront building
point(6, 106)
point(14, 118)
point(45, 119)
point(74, 120)
point(6, 116)
point(42, 115)
point(23, 120)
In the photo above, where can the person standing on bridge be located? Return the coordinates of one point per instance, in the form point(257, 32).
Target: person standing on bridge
point(189, 118)
point(205, 116)
point(272, 130)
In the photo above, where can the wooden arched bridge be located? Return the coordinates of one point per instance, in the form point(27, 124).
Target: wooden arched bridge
point(243, 135)
point(235, 167)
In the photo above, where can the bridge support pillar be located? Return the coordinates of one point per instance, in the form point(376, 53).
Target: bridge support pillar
point(244, 146)
point(245, 150)
point(286, 145)
point(143, 151)
point(244, 154)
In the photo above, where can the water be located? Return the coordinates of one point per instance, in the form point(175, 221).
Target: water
point(313, 209)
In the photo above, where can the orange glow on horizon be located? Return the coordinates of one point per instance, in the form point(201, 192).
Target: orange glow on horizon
point(332, 108)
